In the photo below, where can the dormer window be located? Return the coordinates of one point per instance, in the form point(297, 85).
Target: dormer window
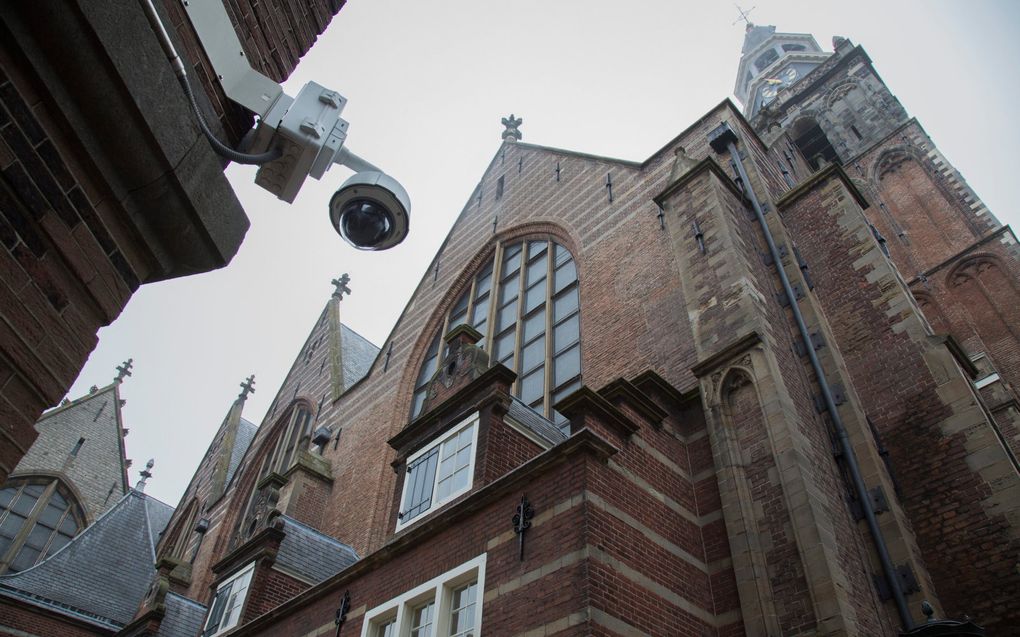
point(229, 600)
point(439, 472)
point(794, 47)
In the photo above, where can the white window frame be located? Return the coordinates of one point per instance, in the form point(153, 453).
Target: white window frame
point(246, 572)
point(438, 590)
point(987, 380)
point(436, 504)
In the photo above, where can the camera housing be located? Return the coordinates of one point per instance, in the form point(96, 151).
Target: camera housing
point(371, 211)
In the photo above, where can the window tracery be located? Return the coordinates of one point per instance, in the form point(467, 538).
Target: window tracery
point(38, 516)
point(525, 303)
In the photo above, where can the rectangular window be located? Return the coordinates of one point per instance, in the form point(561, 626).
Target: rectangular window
point(229, 600)
point(440, 472)
point(446, 606)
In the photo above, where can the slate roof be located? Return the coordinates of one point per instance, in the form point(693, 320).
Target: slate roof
point(535, 422)
point(310, 554)
point(246, 431)
point(183, 617)
point(358, 355)
point(102, 574)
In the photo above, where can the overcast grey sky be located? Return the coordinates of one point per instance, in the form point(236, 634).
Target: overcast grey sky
point(428, 83)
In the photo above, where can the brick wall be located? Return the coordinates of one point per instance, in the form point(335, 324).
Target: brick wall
point(18, 619)
point(923, 407)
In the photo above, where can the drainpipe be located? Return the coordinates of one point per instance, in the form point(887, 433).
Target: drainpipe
point(723, 138)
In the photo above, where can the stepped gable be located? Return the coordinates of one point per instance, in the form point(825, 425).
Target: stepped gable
point(112, 562)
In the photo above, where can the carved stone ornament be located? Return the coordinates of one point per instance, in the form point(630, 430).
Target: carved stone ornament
point(262, 514)
point(464, 361)
point(156, 595)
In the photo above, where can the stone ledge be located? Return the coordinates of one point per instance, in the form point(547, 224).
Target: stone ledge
point(728, 351)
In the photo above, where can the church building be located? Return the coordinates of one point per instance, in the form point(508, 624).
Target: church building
point(762, 382)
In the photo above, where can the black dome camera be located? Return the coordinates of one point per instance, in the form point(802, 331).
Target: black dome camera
point(370, 211)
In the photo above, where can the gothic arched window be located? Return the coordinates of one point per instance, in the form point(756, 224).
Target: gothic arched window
point(293, 437)
point(37, 518)
point(525, 304)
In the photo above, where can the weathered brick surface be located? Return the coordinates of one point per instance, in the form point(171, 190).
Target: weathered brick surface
point(18, 619)
point(919, 410)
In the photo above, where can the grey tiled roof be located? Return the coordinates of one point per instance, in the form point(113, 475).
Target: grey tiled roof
point(245, 434)
point(102, 574)
point(358, 355)
point(183, 617)
point(310, 554)
point(535, 422)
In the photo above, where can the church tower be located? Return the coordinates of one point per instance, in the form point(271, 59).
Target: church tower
point(758, 383)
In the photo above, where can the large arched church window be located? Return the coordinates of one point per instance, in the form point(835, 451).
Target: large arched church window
point(294, 434)
point(525, 304)
point(38, 516)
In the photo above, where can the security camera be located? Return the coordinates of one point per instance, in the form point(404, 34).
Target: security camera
point(371, 211)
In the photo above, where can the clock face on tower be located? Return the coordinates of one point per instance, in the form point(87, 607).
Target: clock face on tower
point(772, 84)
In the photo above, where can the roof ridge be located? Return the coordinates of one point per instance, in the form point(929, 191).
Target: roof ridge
point(78, 401)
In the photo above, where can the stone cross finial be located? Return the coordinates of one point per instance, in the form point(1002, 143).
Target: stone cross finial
point(512, 134)
point(146, 473)
point(341, 286)
point(124, 369)
point(247, 387)
point(743, 16)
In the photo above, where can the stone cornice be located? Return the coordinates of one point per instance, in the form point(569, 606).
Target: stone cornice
point(708, 164)
point(629, 393)
point(470, 395)
point(728, 351)
point(585, 401)
point(823, 175)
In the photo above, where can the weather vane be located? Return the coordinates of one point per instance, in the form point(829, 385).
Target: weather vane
point(743, 15)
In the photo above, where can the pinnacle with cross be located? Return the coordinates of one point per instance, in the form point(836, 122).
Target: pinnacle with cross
point(146, 473)
point(247, 387)
point(341, 286)
point(124, 369)
point(743, 16)
point(512, 134)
